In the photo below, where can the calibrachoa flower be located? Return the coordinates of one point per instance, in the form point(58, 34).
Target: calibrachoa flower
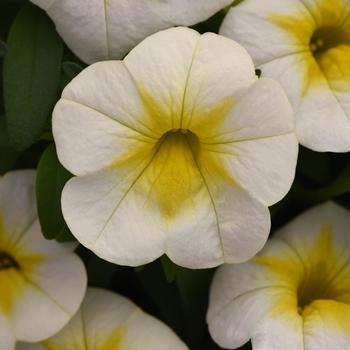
point(177, 150)
point(108, 321)
point(97, 30)
point(42, 283)
point(305, 44)
point(295, 294)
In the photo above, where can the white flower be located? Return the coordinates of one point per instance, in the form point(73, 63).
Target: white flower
point(97, 30)
point(178, 149)
point(42, 283)
point(306, 46)
point(295, 295)
point(108, 321)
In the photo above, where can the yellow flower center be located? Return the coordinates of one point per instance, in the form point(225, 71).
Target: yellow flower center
point(317, 273)
point(7, 261)
point(16, 264)
point(176, 163)
point(322, 44)
point(317, 285)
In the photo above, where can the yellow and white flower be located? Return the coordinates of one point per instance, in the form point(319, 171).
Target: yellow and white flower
point(177, 150)
point(108, 321)
point(42, 283)
point(295, 294)
point(97, 30)
point(305, 44)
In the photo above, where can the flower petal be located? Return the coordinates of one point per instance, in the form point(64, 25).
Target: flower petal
point(326, 223)
point(280, 333)
point(133, 215)
point(109, 222)
point(257, 142)
point(243, 296)
point(220, 70)
point(96, 109)
point(244, 315)
point(252, 21)
point(109, 29)
point(326, 325)
point(219, 233)
point(163, 75)
point(108, 320)
point(112, 316)
point(17, 205)
point(7, 338)
point(171, 74)
point(54, 288)
point(322, 121)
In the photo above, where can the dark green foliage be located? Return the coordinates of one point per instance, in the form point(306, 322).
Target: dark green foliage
point(31, 75)
point(51, 178)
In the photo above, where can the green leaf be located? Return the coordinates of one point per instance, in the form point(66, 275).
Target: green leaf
point(3, 49)
point(8, 156)
point(51, 178)
point(31, 75)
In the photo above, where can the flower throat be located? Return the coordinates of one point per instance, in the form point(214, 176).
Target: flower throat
point(326, 38)
point(7, 262)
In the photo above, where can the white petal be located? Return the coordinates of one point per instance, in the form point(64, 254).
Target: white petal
point(105, 312)
point(243, 296)
point(44, 4)
point(322, 121)
point(161, 65)
point(142, 331)
point(180, 71)
point(238, 320)
point(7, 338)
point(99, 116)
point(220, 70)
point(305, 230)
point(324, 114)
point(116, 228)
point(109, 320)
point(109, 29)
point(220, 233)
point(257, 142)
point(17, 203)
point(250, 24)
point(280, 333)
point(327, 326)
point(52, 290)
point(133, 216)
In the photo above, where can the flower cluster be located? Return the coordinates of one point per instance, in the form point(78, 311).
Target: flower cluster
point(178, 147)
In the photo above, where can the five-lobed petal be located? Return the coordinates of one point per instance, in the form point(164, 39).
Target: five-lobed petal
point(97, 30)
point(177, 150)
point(295, 294)
point(42, 283)
point(305, 44)
point(108, 321)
